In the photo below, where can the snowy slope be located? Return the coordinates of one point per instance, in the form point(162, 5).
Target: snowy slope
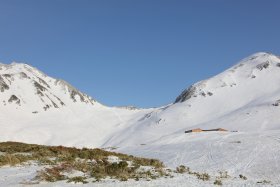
point(255, 155)
point(39, 109)
point(243, 98)
point(33, 105)
point(26, 88)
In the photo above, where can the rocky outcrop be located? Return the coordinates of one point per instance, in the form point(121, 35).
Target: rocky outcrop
point(14, 99)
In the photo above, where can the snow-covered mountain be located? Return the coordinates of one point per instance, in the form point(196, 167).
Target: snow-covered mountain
point(26, 88)
point(36, 108)
point(245, 98)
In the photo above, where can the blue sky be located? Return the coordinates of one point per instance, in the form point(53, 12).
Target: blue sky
point(136, 52)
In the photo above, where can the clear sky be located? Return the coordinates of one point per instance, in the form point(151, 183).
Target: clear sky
point(136, 52)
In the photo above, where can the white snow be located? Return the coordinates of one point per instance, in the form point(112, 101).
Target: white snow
point(239, 99)
point(22, 176)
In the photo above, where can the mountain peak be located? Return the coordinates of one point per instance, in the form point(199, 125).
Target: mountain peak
point(23, 86)
point(14, 63)
point(17, 65)
point(250, 68)
point(261, 53)
point(16, 68)
point(259, 57)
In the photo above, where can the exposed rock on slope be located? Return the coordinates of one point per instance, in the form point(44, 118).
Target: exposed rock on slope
point(33, 90)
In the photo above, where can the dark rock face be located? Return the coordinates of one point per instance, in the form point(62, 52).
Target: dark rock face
point(62, 103)
point(263, 65)
point(192, 91)
point(53, 103)
point(146, 116)
point(3, 85)
point(44, 88)
point(277, 103)
point(43, 82)
point(83, 97)
point(23, 75)
point(46, 107)
point(7, 75)
point(73, 95)
point(209, 93)
point(15, 99)
point(185, 95)
point(39, 87)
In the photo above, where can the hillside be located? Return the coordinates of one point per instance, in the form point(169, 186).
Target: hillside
point(36, 108)
point(243, 98)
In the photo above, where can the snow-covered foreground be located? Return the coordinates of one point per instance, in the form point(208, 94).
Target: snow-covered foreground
point(15, 176)
point(21, 176)
point(255, 155)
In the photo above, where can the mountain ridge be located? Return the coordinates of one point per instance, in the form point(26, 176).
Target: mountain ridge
point(39, 109)
point(260, 61)
point(46, 90)
point(192, 91)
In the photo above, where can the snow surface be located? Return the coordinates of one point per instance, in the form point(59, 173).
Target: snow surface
point(255, 155)
point(23, 175)
point(243, 98)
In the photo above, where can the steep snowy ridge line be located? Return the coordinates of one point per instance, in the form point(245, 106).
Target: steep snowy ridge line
point(49, 92)
point(258, 61)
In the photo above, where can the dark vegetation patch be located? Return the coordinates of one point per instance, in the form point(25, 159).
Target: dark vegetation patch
point(201, 176)
point(94, 163)
point(85, 165)
point(263, 182)
point(70, 153)
point(242, 177)
point(218, 182)
point(78, 179)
